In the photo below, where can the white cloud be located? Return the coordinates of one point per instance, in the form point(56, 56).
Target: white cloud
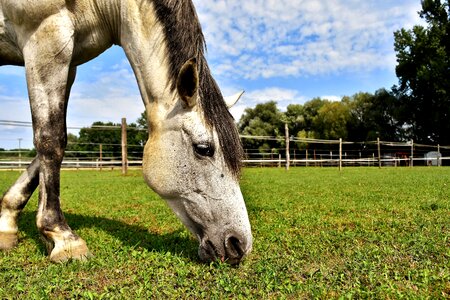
point(110, 97)
point(17, 109)
point(268, 38)
point(272, 94)
point(332, 98)
point(283, 97)
point(12, 71)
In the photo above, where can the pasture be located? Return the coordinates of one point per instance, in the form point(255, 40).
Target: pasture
point(363, 233)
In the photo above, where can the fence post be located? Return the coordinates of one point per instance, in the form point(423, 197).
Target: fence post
point(295, 157)
point(20, 153)
point(439, 155)
point(412, 153)
point(286, 130)
point(101, 157)
point(315, 162)
point(306, 163)
point(124, 147)
point(379, 152)
point(340, 154)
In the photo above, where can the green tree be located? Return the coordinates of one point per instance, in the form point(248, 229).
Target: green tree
point(331, 120)
point(373, 116)
point(263, 120)
point(108, 135)
point(311, 110)
point(295, 116)
point(73, 147)
point(423, 56)
point(142, 126)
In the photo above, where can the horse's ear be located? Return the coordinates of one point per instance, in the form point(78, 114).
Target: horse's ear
point(231, 100)
point(187, 82)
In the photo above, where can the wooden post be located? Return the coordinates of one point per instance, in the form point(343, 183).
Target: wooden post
point(295, 158)
point(379, 153)
point(101, 156)
point(315, 163)
point(439, 155)
point(340, 154)
point(412, 153)
point(124, 147)
point(286, 130)
point(20, 153)
point(306, 164)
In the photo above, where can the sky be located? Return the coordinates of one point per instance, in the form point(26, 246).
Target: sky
point(289, 51)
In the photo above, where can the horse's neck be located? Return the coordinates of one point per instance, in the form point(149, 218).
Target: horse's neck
point(142, 38)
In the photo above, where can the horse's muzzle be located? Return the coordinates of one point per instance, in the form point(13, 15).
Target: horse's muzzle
point(231, 249)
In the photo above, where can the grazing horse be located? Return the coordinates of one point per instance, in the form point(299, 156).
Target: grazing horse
point(193, 154)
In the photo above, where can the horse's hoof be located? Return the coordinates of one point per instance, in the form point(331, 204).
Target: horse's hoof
point(76, 250)
point(8, 241)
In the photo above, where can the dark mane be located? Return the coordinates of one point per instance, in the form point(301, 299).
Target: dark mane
point(185, 40)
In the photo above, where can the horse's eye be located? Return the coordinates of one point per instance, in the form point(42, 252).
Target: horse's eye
point(204, 150)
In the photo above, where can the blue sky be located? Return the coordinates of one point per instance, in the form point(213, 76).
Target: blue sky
point(289, 51)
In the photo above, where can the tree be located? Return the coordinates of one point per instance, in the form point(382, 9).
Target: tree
point(311, 110)
point(263, 120)
point(423, 56)
point(331, 121)
point(142, 126)
point(73, 147)
point(295, 116)
point(108, 135)
point(373, 116)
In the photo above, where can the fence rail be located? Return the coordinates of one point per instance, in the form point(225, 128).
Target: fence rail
point(389, 155)
point(295, 152)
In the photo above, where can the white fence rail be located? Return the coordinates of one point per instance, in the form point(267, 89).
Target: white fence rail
point(295, 152)
point(117, 164)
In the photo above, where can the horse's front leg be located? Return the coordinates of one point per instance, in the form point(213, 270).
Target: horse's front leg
point(48, 56)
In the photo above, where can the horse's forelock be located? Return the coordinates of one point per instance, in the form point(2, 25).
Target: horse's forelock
point(185, 40)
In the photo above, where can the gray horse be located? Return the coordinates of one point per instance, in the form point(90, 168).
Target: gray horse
point(192, 157)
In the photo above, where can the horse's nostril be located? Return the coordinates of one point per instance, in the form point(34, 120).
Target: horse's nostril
point(235, 249)
point(232, 249)
point(211, 250)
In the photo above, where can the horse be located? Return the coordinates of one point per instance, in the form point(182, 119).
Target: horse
point(192, 157)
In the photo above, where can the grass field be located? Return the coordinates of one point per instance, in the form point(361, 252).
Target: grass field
point(318, 233)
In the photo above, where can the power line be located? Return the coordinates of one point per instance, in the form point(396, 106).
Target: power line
point(92, 127)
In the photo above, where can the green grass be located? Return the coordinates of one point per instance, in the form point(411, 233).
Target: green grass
point(318, 233)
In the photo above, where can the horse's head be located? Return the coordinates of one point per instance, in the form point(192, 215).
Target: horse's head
point(187, 163)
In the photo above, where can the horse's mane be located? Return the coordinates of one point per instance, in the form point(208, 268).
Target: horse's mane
point(185, 40)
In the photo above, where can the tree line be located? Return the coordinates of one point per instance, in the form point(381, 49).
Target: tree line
point(107, 135)
point(417, 108)
point(361, 117)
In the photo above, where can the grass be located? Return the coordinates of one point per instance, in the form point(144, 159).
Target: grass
point(318, 233)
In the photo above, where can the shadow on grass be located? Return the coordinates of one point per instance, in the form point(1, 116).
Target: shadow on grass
point(130, 235)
